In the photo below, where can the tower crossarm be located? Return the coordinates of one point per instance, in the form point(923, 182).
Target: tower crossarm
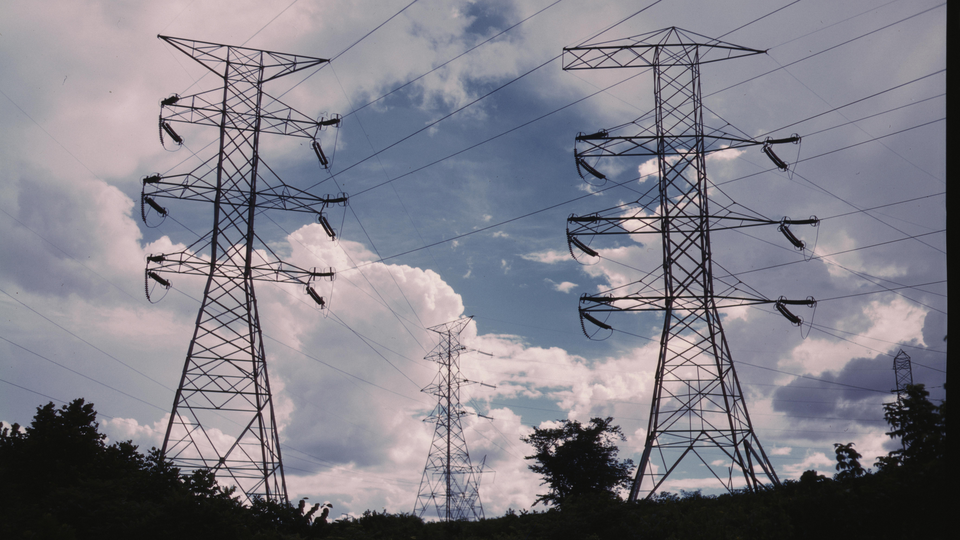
point(206, 109)
point(203, 187)
point(602, 145)
point(630, 302)
point(597, 308)
point(189, 263)
point(216, 57)
point(644, 51)
point(601, 225)
point(580, 228)
point(634, 56)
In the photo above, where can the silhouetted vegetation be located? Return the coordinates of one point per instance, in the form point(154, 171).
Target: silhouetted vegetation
point(61, 480)
point(579, 461)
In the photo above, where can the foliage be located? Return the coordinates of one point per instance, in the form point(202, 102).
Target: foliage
point(921, 427)
point(848, 462)
point(62, 480)
point(579, 461)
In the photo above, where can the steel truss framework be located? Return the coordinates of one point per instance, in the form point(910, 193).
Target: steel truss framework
point(449, 483)
point(223, 413)
point(698, 410)
point(903, 370)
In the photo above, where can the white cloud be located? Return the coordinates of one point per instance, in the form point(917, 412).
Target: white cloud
point(548, 257)
point(815, 461)
point(892, 322)
point(563, 287)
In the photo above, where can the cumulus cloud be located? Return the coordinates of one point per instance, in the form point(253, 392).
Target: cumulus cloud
point(564, 287)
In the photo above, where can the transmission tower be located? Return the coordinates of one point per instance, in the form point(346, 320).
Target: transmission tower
point(223, 415)
point(903, 370)
point(449, 483)
point(698, 410)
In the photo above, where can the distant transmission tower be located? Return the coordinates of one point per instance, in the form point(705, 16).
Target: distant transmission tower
point(903, 370)
point(698, 411)
point(223, 415)
point(449, 483)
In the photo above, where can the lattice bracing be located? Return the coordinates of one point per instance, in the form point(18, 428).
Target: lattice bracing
point(698, 424)
point(223, 414)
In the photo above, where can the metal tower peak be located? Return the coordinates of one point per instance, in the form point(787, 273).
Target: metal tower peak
point(216, 56)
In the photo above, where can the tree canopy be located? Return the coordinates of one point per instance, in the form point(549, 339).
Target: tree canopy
point(576, 460)
point(62, 480)
point(920, 425)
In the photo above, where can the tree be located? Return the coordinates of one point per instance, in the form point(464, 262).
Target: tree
point(920, 425)
point(62, 480)
point(577, 460)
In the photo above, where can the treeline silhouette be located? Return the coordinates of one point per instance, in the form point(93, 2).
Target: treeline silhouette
point(61, 480)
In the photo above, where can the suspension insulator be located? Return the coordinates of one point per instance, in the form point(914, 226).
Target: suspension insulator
point(785, 229)
point(587, 136)
point(327, 273)
point(322, 219)
point(316, 297)
point(334, 121)
point(153, 204)
point(158, 279)
point(768, 150)
point(173, 134)
point(791, 139)
point(170, 100)
point(782, 308)
point(581, 163)
point(581, 246)
point(594, 320)
point(320, 155)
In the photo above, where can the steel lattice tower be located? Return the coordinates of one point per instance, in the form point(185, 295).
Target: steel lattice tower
point(698, 410)
point(903, 370)
point(449, 483)
point(223, 414)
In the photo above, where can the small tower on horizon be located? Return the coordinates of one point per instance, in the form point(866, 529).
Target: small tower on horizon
point(903, 370)
point(450, 483)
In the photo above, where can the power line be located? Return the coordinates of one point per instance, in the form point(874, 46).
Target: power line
point(826, 50)
point(108, 355)
point(471, 49)
point(101, 383)
point(435, 122)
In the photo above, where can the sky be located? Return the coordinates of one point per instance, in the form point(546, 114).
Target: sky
point(456, 149)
